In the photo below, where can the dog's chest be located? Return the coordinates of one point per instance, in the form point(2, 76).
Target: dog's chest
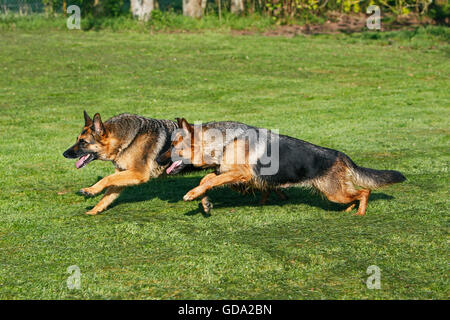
point(129, 162)
point(126, 160)
point(119, 166)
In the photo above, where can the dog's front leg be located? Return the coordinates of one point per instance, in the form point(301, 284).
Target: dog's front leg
point(111, 194)
point(215, 181)
point(118, 179)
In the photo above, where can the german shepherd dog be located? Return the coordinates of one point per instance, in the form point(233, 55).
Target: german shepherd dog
point(299, 163)
point(130, 142)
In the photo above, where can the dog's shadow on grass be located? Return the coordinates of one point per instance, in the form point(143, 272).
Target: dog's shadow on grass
point(172, 190)
point(227, 198)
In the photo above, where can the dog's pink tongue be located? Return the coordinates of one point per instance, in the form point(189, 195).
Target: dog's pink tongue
point(173, 166)
point(80, 162)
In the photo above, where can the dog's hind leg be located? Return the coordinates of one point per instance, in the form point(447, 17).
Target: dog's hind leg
point(337, 185)
point(281, 194)
point(350, 208)
point(349, 196)
point(363, 200)
point(264, 196)
point(111, 194)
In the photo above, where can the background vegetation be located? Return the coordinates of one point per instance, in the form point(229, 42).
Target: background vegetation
point(280, 11)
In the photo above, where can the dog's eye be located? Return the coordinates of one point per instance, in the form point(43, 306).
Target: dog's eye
point(82, 141)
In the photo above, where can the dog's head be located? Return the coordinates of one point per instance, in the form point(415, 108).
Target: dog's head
point(91, 144)
point(181, 151)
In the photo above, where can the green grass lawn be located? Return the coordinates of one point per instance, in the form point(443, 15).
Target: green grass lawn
point(384, 102)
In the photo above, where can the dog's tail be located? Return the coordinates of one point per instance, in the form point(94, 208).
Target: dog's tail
point(373, 179)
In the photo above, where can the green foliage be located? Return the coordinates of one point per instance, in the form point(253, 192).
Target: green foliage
point(117, 24)
point(170, 20)
point(349, 5)
point(281, 11)
point(159, 21)
point(105, 8)
point(113, 8)
point(286, 10)
point(32, 23)
point(440, 12)
point(157, 15)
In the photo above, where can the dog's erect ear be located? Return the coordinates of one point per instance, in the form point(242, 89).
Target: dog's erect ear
point(179, 122)
point(98, 125)
point(87, 119)
point(183, 124)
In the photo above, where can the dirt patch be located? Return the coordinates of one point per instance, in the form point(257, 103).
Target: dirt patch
point(340, 23)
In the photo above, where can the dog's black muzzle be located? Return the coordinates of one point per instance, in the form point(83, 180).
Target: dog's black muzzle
point(71, 153)
point(76, 152)
point(164, 158)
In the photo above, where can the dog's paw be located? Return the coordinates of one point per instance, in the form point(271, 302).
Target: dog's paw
point(88, 192)
point(206, 205)
point(92, 212)
point(189, 196)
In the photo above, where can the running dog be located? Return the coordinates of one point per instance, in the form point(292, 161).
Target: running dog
point(130, 142)
point(242, 161)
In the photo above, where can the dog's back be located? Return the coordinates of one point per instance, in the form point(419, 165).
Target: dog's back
point(127, 127)
point(140, 140)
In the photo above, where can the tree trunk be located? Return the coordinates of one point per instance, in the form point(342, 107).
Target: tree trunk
point(192, 8)
point(142, 9)
point(98, 8)
point(204, 3)
point(219, 5)
point(237, 6)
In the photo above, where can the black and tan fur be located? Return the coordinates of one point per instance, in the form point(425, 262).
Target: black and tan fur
point(300, 164)
point(130, 142)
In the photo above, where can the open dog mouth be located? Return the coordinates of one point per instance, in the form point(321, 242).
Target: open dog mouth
point(175, 167)
point(84, 160)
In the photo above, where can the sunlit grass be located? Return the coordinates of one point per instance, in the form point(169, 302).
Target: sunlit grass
point(384, 103)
